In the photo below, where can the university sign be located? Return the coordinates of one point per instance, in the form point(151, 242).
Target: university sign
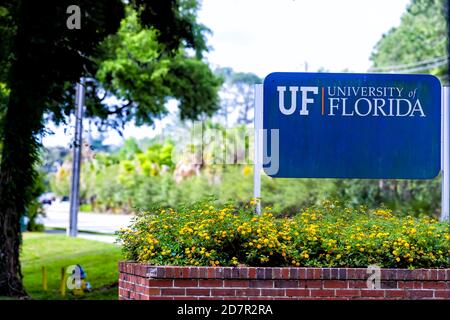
point(325, 125)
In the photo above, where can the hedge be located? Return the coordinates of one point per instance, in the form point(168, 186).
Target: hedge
point(330, 235)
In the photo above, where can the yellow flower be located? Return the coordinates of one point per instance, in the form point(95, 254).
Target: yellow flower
point(247, 170)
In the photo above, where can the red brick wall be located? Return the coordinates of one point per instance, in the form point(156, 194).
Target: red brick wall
point(146, 282)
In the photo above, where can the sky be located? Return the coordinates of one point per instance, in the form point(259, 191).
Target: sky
point(264, 36)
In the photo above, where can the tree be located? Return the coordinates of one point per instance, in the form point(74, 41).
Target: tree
point(418, 44)
point(238, 94)
point(44, 59)
point(133, 68)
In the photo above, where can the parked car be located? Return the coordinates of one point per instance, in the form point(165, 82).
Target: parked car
point(47, 198)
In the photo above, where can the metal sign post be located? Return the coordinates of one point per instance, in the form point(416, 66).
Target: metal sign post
point(75, 185)
point(258, 148)
point(445, 202)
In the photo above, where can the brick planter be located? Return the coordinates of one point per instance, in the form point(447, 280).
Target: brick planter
point(145, 282)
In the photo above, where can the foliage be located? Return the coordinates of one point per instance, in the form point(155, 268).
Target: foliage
point(98, 259)
point(133, 178)
point(52, 157)
point(42, 58)
point(329, 235)
point(111, 182)
point(421, 36)
point(60, 182)
point(404, 197)
point(42, 61)
point(35, 208)
point(135, 69)
point(237, 95)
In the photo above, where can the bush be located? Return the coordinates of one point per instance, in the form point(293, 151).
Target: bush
point(135, 177)
point(85, 207)
point(35, 209)
point(329, 235)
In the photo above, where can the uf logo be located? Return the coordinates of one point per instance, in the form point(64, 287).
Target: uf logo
point(305, 100)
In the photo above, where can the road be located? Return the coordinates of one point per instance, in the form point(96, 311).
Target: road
point(57, 216)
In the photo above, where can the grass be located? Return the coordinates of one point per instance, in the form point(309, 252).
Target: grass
point(99, 260)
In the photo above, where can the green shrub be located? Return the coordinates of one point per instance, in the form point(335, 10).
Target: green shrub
point(134, 178)
point(35, 209)
point(85, 207)
point(329, 235)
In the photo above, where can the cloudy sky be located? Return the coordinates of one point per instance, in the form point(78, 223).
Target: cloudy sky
point(264, 36)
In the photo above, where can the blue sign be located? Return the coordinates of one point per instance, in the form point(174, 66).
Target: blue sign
point(332, 125)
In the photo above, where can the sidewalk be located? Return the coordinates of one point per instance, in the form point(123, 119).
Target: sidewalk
point(89, 236)
point(57, 216)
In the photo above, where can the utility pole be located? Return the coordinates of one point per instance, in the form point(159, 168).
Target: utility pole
point(77, 146)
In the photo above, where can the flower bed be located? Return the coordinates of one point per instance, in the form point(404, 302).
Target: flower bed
point(328, 236)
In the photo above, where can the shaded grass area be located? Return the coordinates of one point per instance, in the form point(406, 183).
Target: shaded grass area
point(99, 260)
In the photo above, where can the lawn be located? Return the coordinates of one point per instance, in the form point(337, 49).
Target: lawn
point(99, 260)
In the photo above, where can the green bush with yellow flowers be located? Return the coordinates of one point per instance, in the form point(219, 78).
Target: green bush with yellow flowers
point(329, 235)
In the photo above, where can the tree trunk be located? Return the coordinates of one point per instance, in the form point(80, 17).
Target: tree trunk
point(16, 177)
point(21, 126)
